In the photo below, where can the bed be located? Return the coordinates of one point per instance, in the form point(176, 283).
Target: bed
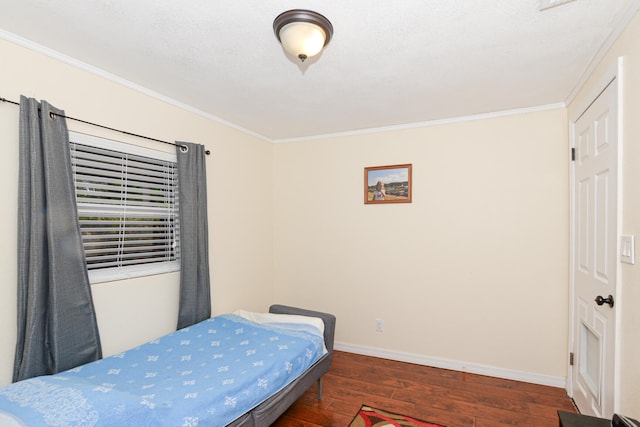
point(240, 370)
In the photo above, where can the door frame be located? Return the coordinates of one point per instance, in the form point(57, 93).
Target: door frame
point(613, 73)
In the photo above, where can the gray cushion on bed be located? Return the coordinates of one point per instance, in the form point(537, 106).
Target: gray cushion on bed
point(328, 319)
point(269, 410)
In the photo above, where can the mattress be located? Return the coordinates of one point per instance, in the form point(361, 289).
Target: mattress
point(208, 374)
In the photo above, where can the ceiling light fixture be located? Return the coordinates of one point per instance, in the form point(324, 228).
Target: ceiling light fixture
point(302, 33)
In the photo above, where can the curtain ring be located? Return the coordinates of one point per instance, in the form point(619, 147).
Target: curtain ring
point(52, 115)
point(184, 149)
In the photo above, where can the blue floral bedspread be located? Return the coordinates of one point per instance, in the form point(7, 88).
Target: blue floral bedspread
point(206, 375)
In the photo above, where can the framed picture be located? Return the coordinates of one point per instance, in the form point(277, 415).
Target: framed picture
point(387, 184)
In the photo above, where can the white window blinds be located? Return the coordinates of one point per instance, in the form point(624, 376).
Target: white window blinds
point(127, 201)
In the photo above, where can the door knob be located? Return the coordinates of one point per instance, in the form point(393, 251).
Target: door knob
point(608, 300)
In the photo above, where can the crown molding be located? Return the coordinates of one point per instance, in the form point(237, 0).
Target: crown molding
point(28, 44)
point(617, 30)
point(438, 122)
point(54, 54)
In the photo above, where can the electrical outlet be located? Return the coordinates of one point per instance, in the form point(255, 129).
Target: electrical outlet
point(379, 325)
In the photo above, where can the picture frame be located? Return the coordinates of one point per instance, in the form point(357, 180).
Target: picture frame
point(387, 184)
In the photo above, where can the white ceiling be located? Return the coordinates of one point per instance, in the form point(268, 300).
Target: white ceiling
point(390, 63)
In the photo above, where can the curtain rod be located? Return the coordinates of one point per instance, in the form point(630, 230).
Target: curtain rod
point(207, 152)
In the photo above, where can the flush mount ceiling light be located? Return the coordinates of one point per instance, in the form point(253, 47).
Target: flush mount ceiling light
point(303, 33)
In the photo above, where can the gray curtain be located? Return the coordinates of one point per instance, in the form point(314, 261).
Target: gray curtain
point(57, 328)
point(195, 293)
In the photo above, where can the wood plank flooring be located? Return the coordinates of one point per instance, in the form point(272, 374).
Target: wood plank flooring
point(438, 395)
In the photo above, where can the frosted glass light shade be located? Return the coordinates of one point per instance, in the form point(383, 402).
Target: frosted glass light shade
point(303, 33)
point(302, 39)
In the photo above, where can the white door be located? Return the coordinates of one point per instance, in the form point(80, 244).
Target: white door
point(595, 263)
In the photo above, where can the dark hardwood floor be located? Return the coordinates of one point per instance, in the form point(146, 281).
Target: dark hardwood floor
point(438, 395)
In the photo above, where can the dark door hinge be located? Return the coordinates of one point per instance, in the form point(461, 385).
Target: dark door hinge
point(571, 359)
point(573, 154)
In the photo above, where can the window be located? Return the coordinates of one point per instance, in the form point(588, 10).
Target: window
point(127, 199)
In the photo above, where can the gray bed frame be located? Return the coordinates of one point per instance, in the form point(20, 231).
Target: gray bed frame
point(268, 411)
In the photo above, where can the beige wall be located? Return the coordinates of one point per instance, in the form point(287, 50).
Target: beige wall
point(240, 199)
point(627, 47)
point(475, 270)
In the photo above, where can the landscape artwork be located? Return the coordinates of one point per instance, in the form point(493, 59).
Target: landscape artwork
point(387, 184)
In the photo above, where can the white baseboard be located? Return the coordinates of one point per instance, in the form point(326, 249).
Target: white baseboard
point(455, 365)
